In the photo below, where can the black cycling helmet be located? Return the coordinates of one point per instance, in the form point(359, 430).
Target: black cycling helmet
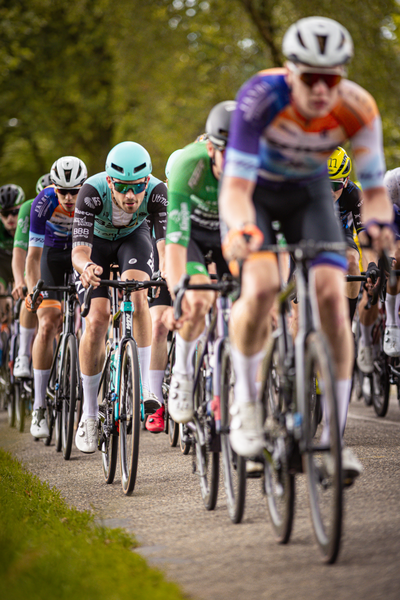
point(11, 196)
point(218, 121)
point(43, 182)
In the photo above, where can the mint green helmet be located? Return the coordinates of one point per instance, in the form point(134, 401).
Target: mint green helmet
point(128, 161)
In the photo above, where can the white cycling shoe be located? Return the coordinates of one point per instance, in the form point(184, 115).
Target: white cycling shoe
point(391, 341)
point(180, 399)
point(22, 367)
point(39, 428)
point(365, 358)
point(86, 436)
point(246, 434)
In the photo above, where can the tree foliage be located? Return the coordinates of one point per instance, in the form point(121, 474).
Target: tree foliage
point(79, 77)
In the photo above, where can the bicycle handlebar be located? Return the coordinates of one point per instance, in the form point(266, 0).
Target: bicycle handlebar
point(226, 286)
point(129, 285)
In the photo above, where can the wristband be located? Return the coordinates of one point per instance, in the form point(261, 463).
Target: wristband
point(88, 265)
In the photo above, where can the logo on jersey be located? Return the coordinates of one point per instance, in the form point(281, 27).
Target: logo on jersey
point(175, 236)
point(23, 224)
point(82, 222)
point(132, 261)
point(150, 262)
point(160, 199)
point(92, 202)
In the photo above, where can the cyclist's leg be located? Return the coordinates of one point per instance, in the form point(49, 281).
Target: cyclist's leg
point(352, 288)
point(159, 359)
point(27, 330)
point(391, 344)
point(368, 317)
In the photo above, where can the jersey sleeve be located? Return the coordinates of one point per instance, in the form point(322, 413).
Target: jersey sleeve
point(157, 208)
point(42, 208)
point(179, 203)
point(361, 120)
point(21, 237)
point(88, 205)
point(356, 204)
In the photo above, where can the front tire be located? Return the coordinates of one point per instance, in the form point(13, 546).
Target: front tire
point(69, 383)
point(129, 415)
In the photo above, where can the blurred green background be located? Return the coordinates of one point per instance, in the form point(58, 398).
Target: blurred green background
point(78, 77)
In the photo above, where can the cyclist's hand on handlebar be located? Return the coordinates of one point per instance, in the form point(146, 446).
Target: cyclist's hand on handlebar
point(169, 320)
point(381, 236)
point(240, 242)
point(28, 302)
point(19, 290)
point(91, 276)
point(372, 273)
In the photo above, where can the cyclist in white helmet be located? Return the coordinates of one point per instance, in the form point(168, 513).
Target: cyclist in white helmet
point(49, 257)
point(287, 123)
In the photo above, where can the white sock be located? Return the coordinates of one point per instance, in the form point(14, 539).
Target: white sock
point(396, 311)
point(25, 340)
point(390, 304)
point(41, 379)
point(366, 334)
point(184, 352)
point(343, 389)
point(144, 359)
point(246, 368)
point(90, 384)
point(156, 379)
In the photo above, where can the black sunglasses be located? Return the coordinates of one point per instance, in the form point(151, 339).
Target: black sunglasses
point(65, 191)
point(13, 212)
point(337, 185)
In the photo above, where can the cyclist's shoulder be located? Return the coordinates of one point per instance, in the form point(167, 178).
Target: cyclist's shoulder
point(97, 181)
point(356, 106)
point(25, 209)
point(191, 168)
point(44, 204)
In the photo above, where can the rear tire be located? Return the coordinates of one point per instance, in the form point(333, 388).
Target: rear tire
point(234, 466)
point(380, 385)
point(69, 384)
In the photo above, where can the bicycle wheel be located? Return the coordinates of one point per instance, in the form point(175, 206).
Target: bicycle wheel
point(381, 385)
point(129, 416)
point(173, 428)
point(108, 431)
point(233, 465)
point(68, 393)
point(20, 406)
point(323, 454)
point(279, 482)
point(11, 409)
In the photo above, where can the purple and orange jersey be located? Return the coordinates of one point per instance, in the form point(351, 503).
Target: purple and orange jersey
point(50, 224)
point(270, 141)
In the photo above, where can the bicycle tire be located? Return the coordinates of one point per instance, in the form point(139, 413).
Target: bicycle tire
point(20, 406)
point(279, 482)
point(380, 385)
point(324, 471)
point(184, 446)
point(207, 461)
point(129, 416)
point(11, 409)
point(233, 465)
point(68, 390)
point(173, 428)
point(109, 447)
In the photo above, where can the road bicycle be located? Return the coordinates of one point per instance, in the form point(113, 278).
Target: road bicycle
point(297, 378)
point(212, 397)
point(64, 389)
point(121, 409)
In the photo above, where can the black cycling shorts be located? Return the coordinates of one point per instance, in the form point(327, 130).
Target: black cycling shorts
point(6, 274)
point(54, 264)
point(134, 251)
point(305, 211)
point(205, 247)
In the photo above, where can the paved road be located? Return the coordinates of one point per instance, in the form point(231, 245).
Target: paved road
point(215, 560)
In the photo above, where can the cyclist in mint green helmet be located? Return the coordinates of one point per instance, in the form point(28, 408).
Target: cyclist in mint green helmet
point(110, 227)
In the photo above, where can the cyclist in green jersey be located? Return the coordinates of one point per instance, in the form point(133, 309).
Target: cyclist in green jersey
point(11, 198)
point(192, 232)
point(28, 320)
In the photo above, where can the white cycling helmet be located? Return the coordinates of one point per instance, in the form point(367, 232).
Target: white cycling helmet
point(318, 42)
point(392, 183)
point(68, 172)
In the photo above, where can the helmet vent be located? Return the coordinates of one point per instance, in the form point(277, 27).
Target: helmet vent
point(139, 168)
point(68, 176)
point(117, 168)
point(342, 40)
point(300, 39)
point(322, 43)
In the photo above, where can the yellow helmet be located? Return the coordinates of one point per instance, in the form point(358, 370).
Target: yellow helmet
point(339, 164)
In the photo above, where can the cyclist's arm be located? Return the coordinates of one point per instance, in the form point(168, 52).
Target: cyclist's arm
point(235, 202)
point(175, 260)
point(161, 255)
point(33, 266)
point(18, 269)
point(80, 259)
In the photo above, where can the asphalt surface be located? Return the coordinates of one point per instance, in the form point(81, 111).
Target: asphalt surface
point(210, 557)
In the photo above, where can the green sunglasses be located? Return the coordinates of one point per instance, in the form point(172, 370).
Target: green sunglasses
point(123, 188)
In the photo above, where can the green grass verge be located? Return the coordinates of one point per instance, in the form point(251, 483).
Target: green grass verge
point(50, 551)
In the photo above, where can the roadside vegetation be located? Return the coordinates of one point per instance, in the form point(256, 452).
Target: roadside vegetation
point(48, 550)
